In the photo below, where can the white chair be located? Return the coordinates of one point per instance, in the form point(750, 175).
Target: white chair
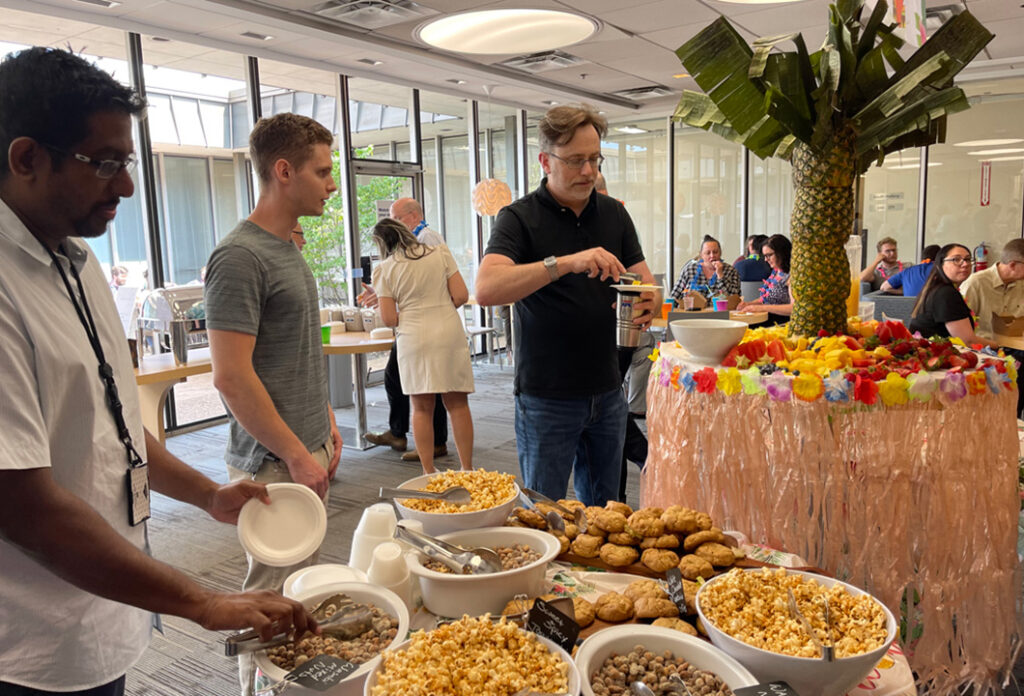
point(473, 331)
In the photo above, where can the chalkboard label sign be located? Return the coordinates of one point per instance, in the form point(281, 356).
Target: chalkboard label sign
point(675, 590)
point(777, 688)
point(322, 672)
point(547, 621)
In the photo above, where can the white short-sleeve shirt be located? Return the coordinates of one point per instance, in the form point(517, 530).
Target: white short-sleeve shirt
point(53, 414)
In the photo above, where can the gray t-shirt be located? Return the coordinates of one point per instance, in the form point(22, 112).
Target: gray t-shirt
point(260, 285)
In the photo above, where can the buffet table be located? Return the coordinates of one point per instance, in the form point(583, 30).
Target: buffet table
point(907, 500)
point(156, 374)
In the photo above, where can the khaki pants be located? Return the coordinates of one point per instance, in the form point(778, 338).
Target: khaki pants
point(264, 577)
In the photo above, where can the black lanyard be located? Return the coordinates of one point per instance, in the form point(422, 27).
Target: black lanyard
point(106, 372)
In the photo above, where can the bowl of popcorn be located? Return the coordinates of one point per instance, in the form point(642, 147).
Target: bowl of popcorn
point(493, 497)
point(390, 624)
point(478, 656)
point(612, 658)
point(746, 614)
point(708, 340)
point(525, 554)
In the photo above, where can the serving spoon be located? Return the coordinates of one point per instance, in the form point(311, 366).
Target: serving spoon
point(456, 494)
point(474, 561)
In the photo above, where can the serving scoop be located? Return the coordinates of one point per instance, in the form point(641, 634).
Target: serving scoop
point(456, 494)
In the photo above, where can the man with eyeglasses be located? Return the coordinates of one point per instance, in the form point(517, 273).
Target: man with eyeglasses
point(78, 588)
point(555, 253)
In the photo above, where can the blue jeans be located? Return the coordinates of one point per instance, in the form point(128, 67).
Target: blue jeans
point(556, 437)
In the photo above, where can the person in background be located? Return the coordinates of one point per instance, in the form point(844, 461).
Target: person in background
point(299, 237)
point(707, 274)
point(940, 309)
point(79, 591)
point(118, 277)
point(909, 281)
point(885, 265)
point(775, 296)
point(551, 253)
point(752, 268)
point(409, 212)
point(997, 294)
point(420, 289)
point(263, 322)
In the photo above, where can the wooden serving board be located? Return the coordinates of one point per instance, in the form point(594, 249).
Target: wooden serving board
point(643, 571)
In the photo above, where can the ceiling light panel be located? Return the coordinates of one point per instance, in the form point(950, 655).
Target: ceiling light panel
point(998, 151)
point(990, 143)
point(493, 32)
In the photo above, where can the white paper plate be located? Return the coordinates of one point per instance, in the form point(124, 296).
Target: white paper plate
point(288, 530)
point(305, 580)
point(637, 288)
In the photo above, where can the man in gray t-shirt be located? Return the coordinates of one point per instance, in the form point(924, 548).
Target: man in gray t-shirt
point(263, 320)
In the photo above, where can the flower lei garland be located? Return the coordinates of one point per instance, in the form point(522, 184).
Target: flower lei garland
point(864, 368)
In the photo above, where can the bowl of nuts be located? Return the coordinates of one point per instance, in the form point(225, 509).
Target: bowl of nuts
point(474, 655)
point(611, 659)
point(390, 624)
point(524, 553)
point(747, 614)
point(493, 496)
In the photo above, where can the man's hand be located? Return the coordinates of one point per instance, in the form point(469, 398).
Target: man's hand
point(305, 470)
point(227, 501)
point(368, 297)
point(596, 263)
point(338, 442)
point(267, 612)
point(647, 304)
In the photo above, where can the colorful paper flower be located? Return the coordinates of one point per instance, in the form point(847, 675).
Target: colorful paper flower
point(953, 387)
point(865, 390)
point(752, 382)
point(807, 386)
point(665, 373)
point(778, 386)
point(893, 389)
point(922, 386)
point(837, 387)
point(688, 382)
point(996, 379)
point(1011, 369)
point(675, 376)
point(729, 381)
point(706, 378)
point(653, 357)
point(976, 383)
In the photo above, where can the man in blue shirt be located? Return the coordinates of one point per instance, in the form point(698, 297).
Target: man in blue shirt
point(911, 280)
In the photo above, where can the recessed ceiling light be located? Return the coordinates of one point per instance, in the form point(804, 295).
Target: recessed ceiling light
point(990, 143)
point(457, 82)
point(159, 39)
point(632, 130)
point(506, 31)
point(999, 151)
point(370, 61)
point(256, 35)
point(916, 165)
point(549, 102)
point(101, 3)
point(681, 75)
point(1007, 159)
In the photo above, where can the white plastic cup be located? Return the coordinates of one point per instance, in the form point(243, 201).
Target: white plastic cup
point(376, 526)
point(388, 566)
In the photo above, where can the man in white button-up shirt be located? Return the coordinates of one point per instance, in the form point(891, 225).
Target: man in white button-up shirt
point(77, 586)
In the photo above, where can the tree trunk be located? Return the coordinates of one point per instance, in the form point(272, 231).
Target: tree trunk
point(820, 226)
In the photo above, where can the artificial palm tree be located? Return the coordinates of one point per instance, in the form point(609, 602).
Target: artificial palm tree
point(831, 114)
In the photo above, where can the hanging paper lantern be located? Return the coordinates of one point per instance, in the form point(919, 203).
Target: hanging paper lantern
point(490, 196)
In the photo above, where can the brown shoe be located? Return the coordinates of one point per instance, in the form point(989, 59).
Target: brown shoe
point(414, 456)
point(388, 439)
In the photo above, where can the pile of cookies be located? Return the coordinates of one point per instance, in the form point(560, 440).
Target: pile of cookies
point(658, 538)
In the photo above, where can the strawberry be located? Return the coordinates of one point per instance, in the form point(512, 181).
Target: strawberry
point(971, 358)
point(900, 347)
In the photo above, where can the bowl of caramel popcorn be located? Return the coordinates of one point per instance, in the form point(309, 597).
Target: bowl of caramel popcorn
point(493, 496)
point(746, 614)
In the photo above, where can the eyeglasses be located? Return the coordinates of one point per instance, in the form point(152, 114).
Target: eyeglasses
point(578, 162)
point(770, 255)
point(105, 169)
point(958, 260)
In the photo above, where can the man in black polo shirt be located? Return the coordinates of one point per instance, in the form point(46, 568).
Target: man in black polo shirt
point(554, 253)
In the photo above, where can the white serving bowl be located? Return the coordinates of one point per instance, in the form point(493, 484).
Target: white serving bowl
point(621, 639)
point(306, 580)
point(573, 676)
point(451, 595)
point(438, 523)
point(708, 340)
point(806, 675)
point(360, 592)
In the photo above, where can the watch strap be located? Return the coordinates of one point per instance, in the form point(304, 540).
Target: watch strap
point(551, 264)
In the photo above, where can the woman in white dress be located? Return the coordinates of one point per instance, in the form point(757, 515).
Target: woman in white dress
point(420, 290)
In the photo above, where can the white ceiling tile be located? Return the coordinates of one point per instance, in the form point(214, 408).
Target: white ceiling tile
point(991, 10)
point(659, 15)
point(170, 15)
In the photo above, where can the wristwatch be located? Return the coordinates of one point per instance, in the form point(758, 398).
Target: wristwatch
point(551, 263)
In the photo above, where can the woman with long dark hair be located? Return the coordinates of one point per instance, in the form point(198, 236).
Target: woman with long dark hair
point(420, 290)
point(775, 297)
point(940, 309)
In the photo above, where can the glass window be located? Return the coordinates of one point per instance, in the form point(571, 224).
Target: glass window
point(186, 118)
point(891, 204)
point(771, 196)
point(431, 195)
point(189, 233)
point(379, 113)
point(225, 203)
point(442, 117)
point(458, 208)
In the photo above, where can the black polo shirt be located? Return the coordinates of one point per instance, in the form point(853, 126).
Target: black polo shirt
point(565, 332)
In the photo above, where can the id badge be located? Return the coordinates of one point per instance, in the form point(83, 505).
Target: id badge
point(138, 494)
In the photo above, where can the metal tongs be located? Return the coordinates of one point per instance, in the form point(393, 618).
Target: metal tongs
point(529, 497)
point(828, 652)
point(475, 561)
point(348, 621)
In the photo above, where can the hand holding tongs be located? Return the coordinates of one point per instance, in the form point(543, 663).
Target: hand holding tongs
point(348, 621)
point(828, 652)
point(554, 519)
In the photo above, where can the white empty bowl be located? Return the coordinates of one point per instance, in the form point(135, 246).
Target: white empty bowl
point(310, 579)
point(620, 640)
point(362, 593)
point(708, 340)
point(451, 595)
point(438, 523)
point(806, 675)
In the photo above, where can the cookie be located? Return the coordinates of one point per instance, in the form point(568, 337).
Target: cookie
point(651, 607)
point(613, 607)
point(693, 567)
point(659, 560)
point(530, 518)
point(587, 545)
point(690, 596)
point(716, 554)
point(519, 606)
point(585, 611)
point(665, 541)
point(572, 505)
point(571, 530)
point(622, 538)
point(680, 519)
point(617, 555)
point(644, 588)
point(697, 538)
point(676, 624)
point(645, 524)
point(704, 521)
point(616, 506)
point(564, 543)
point(610, 521)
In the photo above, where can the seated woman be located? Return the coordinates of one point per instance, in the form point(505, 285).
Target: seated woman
point(940, 309)
point(707, 274)
point(775, 296)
